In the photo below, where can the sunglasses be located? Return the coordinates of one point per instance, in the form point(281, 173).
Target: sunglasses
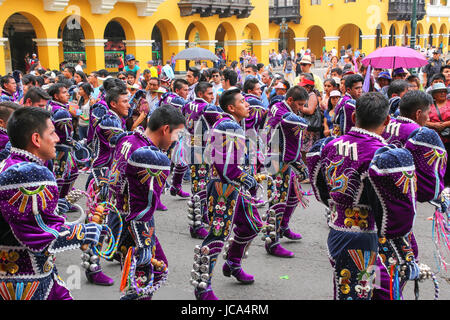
point(122, 78)
point(304, 64)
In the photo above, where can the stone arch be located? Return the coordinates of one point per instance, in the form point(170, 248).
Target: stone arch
point(117, 31)
point(163, 31)
point(431, 30)
point(349, 35)
point(443, 30)
point(380, 30)
point(195, 32)
point(20, 29)
point(226, 38)
point(406, 32)
point(286, 40)
point(316, 41)
point(393, 31)
point(251, 33)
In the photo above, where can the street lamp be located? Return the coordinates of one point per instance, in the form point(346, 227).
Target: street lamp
point(413, 25)
point(283, 28)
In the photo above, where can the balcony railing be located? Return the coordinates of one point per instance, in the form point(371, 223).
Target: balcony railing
point(223, 8)
point(402, 10)
point(288, 9)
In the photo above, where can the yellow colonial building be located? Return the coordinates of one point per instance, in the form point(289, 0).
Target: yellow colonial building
point(99, 31)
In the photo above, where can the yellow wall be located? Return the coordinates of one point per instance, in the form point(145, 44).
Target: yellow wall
point(318, 21)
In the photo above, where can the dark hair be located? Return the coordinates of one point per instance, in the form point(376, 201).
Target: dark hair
point(29, 78)
point(40, 81)
point(444, 67)
point(202, 87)
point(227, 98)
point(55, 89)
point(165, 115)
point(5, 80)
point(131, 73)
point(86, 88)
point(397, 87)
point(103, 73)
point(372, 108)
point(113, 95)
point(71, 70)
point(250, 84)
point(437, 76)
point(259, 66)
point(6, 108)
point(414, 100)
point(195, 71)
point(36, 94)
point(339, 71)
point(231, 76)
point(111, 83)
point(24, 122)
point(253, 67)
point(154, 78)
point(333, 83)
point(297, 93)
point(82, 75)
point(352, 79)
point(146, 71)
point(179, 83)
point(214, 70)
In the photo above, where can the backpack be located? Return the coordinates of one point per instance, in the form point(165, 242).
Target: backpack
point(288, 65)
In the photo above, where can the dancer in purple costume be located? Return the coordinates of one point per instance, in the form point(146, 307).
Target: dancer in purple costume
point(430, 158)
point(6, 109)
point(138, 176)
point(284, 138)
point(177, 98)
point(32, 230)
point(346, 106)
point(200, 117)
point(225, 204)
point(370, 190)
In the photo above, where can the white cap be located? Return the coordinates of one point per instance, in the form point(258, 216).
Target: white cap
point(335, 93)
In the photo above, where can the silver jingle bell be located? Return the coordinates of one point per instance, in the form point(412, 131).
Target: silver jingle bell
point(196, 266)
point(204, 277)
point(190, 204)
point(195, 275)
point(230, 240)
point(204, 250)
point(273, 234)
point(191, 223)
point(245, 255)
point(190, 210)
point(194, 283)
point(197, 249)
point(197, 223)
point(93, 267)
point(204, 268)
point(85, 265)
point(94, 259)
point(197, 258)
point(264, 216)
point(85, 257)
point(204, 260)
point(268, 240)
point(198, 217)
point(197, 211)
point(196, 198)
point(190, 216)
point(225, 256)
point(202, 285)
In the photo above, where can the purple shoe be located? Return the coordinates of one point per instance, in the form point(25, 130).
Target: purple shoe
point(99, 278)
point(161, 207)
point(174, 192)
point(200, 233)
point(207, 294)
point(278, 251)
point(231, 269)
point(291, 235)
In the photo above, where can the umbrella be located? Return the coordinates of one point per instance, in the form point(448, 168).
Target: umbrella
point(196, 54)
point(395, 57)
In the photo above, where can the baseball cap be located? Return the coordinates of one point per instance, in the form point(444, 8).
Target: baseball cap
point(335, 93)
point(399, 71)
point(129, 57)
point(385, 75)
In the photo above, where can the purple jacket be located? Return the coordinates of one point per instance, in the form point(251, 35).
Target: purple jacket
point(62, 120)
point(4, 139)
point(108, 130)
point(284, 135)
point(343, 119)
point(31, 228)
point(96, 112)
point(173, 99)
point(126, 146)
point(398, 131)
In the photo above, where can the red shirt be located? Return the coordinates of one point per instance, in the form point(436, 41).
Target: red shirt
point(445, 114)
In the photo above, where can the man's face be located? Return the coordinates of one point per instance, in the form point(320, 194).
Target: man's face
point(48, 141)
point(296, 105)
point(334, 74)
point(436, 56)
point(63, 96)
point(190, 78)
point(121, 106)
point(67, 74)
point(170, 136)
point(153, 85)
point(422, 117)
point(40, 104)
point(265, 78)
point(256, 90)
point(446, 73)
point(376, 72)
point(249, 71)
point(208, 95)
point(92, 79)
point(356, 90)
point(305, 67)
point(383, 82)
point(413, 86)
point(216, 78)
point(240, 109)
point(11, 86)
point(183, 92)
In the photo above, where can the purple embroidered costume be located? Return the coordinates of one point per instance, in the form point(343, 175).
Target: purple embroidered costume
point(146, 172)
point(343, 119)
point(370, 190)
point(200, 117)
point(33, 232)
point(225, 207)
point(5, 146)
point(285, 130)
point(64, 165)
point(179, 167)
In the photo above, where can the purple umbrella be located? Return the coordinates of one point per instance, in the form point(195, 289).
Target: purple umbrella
point(395, 57)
